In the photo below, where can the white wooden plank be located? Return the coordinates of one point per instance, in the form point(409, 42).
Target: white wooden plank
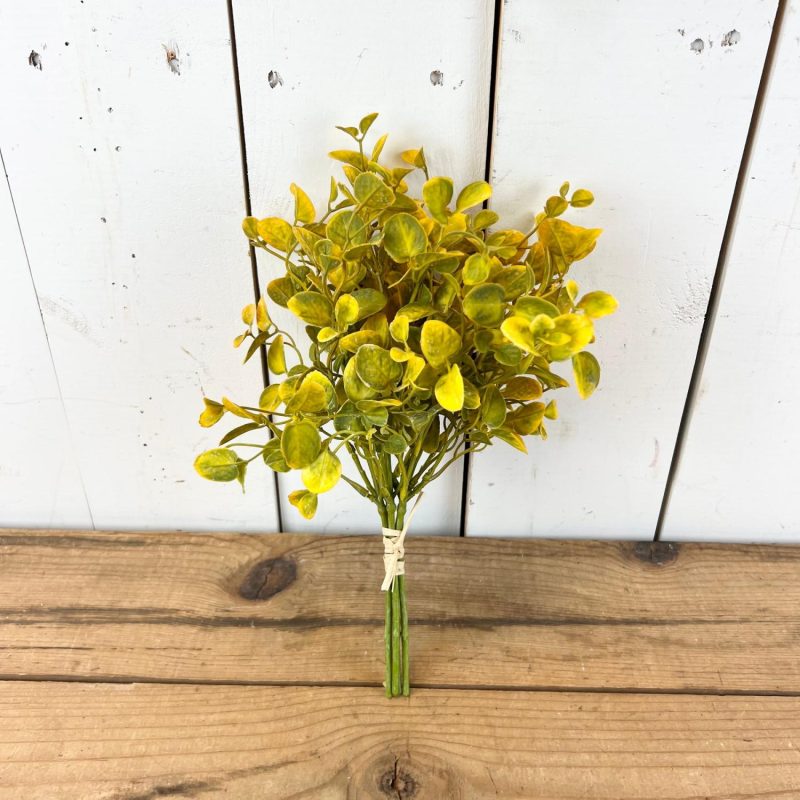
point(426, 68)
point(737, 477)
point(614, 97)
point(127, 177)
point(39, 479)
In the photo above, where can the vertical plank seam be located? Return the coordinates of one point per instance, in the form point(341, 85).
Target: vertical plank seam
point(248, 212)
point(70, 437)
point(497, 28)
point(715, 294)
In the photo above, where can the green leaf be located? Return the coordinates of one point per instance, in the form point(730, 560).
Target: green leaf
point(312, 307)
point(351, 157)
point(270, 398)
point(235, 433)
point(305, 502)
point(212, 413)
point(587, 373)
point(303, 207)
point(277, 233)
point(352, 341)
point(437, 194)
point(309, 398)
point(374, 412)
point(346, 311)
point(522, 388)
point(398, 328)
point(300, 443)
point(476, 269)
point(404, 237)
point(280, 291)
point(322, 474)
point(346, 228)
point(450, 389)
point(483, 219)
point(375, 367)
point(219, 464)
point(276, 356)
point(472, 195)
point(598, 304)
point(372, 192)
point(555, 206)
point(355, 389)
point(493, 407)
point(439, 342)
point(531, 307)
point(484, 304)
point(581, 198)
point(262, 315)
point(250, 228)
point(509, 437)
point(370, 301)
point(366, 122)
point(273, 457)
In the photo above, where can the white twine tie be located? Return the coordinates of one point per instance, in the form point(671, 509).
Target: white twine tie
point(394, 551)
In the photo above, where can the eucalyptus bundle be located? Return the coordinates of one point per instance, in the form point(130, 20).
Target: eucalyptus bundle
point(432, 334)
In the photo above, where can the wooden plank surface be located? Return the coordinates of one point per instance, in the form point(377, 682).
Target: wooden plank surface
point(612, 96)
point(126, 173)
point(33, 490)
point(307, 67)
point(737, 478)
point(484, 612)
point(136, 742)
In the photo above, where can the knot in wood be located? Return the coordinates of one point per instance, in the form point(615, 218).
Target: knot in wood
point(269, 577)
point(659, 554)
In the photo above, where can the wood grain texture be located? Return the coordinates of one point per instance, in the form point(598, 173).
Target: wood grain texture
point(306, 68)
point(135, 742)
point(484, 612)
point(39, 478)
point(614, 98)
point(737, 478)
point(127, 178)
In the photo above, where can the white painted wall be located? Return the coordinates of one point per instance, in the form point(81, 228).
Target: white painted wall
point(611, 97)
point(738, 476)
point(110, 152)
point(127, 182)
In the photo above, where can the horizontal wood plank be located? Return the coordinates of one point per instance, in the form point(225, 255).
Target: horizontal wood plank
point(137, 742)
point(485, 612)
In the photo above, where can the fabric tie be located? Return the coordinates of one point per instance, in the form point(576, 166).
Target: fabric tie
point(394, 550)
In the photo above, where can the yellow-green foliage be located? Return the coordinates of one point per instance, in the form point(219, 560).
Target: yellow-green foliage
point(432, 331)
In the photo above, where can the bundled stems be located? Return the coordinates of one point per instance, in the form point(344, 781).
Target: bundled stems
point(397, 679)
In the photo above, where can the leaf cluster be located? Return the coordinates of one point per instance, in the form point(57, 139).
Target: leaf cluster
point(432, 331)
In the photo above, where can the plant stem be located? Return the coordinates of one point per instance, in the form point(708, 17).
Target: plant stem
point(396, 637)
point(401, 585)
point(387, 638)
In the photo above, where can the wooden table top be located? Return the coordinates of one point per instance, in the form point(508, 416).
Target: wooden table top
point(137, 666)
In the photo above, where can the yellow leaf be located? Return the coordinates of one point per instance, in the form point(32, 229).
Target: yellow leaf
point(276, 232)
point(598, 304)
point(437, 193)
point(303, 207)
point(587, 373)
point(404, 237)
point(212, 413)
point(450, 389)
point(249, 314)
point(472, 195)
point(262, 315)
point(439, 341)
point(300, 443)
point(305, 502)
point(322, 474)
point(276, 356)
point(312, 307)
point(219, 464)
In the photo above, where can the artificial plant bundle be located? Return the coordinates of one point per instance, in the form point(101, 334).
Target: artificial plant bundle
point(432, 335)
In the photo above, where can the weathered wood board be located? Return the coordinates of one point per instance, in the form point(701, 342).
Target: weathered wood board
point(648, 105)
point(131, 742)
point(484, 612)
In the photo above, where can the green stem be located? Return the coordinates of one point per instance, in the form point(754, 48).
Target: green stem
point(401, 584)
point(387, 638)
point(396, 638)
